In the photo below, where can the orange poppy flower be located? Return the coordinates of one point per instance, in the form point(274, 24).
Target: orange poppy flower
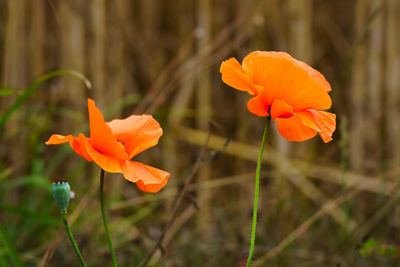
point(288, 90)
point(112, 145)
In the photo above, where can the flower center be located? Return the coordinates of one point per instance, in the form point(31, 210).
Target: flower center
point(121, 143)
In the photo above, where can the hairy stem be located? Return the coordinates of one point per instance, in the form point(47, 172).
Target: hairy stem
point(257, 187)
point(103, 213)
point(71, 237)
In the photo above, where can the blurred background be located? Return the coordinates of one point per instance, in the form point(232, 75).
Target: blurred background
point(334, 204)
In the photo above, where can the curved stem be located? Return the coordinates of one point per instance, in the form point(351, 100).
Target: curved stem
point(103, 213)
point(78, 253)
point(257, 187)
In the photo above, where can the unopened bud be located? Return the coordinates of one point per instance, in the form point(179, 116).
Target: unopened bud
point(61, 193)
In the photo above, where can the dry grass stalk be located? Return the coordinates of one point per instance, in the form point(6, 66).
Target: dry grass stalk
point(328, 174)
point(72, 33)
point(392, 80)
point(203, 111)
point(327, 208)
point(358, 91)
point(374, 111)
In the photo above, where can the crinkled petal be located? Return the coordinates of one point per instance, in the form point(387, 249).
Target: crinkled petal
point(76, 143)
point(137, 133)
point(234, 75)
point(326, 123)
point(57, 139)
point(284, 78)
point(316, 75)
point(101, 137)
point(281, 109)
point(306, 124)
point(295, 128)
point(257, 106)
point(151, 188)
point(147, 178)
point(135, 171)
point(79, 146)
point(106, 162)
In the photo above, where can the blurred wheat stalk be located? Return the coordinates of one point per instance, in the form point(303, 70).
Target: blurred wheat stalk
point(167, 54)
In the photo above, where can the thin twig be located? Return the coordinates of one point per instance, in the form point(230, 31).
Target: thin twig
point(178, 202)
point(382, 211)
point(214, 183)
point(377, 185)
point(328, 206)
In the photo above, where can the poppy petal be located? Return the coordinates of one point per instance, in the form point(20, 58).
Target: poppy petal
point(147, 178)
point(135, 171)
point(326, 122)
point(281, 109)
point(234, 75)
point(256, 106)
point(106, 162)
point(78, 145)
point(151, 188)
point(284, 78)
point(137, 133)
point(57, 139)
point(316, 75)
point(295, 128)
point(101, 137)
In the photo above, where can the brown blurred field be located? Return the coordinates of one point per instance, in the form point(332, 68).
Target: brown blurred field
point(333, 204)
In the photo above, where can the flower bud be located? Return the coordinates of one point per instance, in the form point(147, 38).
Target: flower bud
point(61, 193)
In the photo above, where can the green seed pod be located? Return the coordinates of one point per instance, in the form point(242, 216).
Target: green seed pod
point(61, 193)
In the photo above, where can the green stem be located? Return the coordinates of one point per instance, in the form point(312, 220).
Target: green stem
point(257, 187)
point(103, 213)
point(78, 253)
